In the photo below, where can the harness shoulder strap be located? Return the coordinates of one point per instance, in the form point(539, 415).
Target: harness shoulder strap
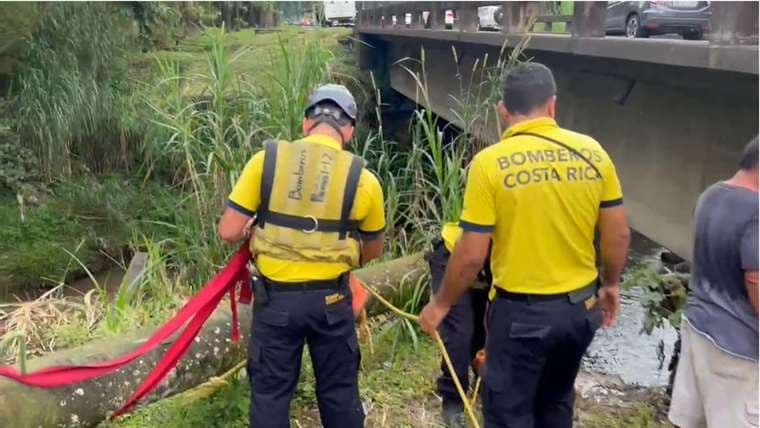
point(561, 144)
point(349, 194)
point(267, 181)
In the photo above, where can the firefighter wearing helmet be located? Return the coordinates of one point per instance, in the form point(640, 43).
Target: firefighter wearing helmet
point(316, 213)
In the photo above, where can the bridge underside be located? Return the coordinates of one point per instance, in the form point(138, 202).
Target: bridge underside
point(671, 130)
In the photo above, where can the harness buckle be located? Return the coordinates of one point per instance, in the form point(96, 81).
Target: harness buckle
point(316, 225)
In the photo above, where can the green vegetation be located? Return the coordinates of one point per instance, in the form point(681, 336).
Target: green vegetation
point(641, 415)
point(396, 381)
point(93, 218)
point(663, 294)
point(396, 384)
point(78, 92)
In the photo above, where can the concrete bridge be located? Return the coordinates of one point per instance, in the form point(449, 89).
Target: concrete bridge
point(673, 114)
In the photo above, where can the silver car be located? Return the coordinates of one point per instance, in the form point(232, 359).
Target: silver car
point(690, 19)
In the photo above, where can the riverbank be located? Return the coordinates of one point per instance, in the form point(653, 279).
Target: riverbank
point(397, 384)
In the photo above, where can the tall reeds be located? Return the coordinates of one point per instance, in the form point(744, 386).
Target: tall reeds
point(202, 143)
point(70, 96)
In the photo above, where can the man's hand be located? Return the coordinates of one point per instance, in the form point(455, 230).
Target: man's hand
point(234, 226)
point(432, 315)
point(248, 227)
point(609, 303)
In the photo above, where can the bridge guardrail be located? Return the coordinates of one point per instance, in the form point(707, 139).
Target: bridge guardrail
point(733, 23)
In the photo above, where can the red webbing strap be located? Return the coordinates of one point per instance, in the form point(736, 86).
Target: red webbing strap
point(197, 310)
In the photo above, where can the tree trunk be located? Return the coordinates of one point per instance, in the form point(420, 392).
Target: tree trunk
point(252, 14)
point(266, 19)
point(227, 15)
point(88, 403)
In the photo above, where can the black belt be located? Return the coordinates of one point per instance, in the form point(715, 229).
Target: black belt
point(326, 284)
point(574, 296)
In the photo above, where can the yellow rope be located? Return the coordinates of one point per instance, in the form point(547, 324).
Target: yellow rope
point(441, 348)
point(205, 390)
point(475, 391)
point(365, 331)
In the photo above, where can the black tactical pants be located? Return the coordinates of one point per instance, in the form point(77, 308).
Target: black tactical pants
point(281, 326)
point(462, 331)
point(534, 350)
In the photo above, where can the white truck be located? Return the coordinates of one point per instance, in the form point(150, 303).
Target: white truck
point(339, 13)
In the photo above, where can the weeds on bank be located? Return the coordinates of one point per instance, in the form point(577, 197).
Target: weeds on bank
point(641, 415)
point(392, 386)
point(73, 94)
point(102, 212)
point(198, 145)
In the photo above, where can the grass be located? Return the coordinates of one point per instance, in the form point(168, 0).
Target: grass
point(397, 387)
point(71, 95)
point(256, 65)
point(91, 217)
point(394, 382)
point(638, 415)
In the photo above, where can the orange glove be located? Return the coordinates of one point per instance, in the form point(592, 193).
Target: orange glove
point(479, 362)
point(359, 294)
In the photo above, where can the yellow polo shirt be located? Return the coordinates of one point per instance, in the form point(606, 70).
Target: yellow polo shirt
point(368, 209)
point(450, 234)
point(541, 202)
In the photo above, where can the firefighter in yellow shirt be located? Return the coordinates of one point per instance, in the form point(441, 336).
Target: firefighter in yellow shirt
point(537, 196)
point(318, 214)
point(463, 329)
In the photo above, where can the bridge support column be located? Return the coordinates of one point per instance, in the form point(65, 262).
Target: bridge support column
point(437, 18)
point(589, 19)
point(467, 17)
point(417, 22)
point(517, 15)
point(734, 23)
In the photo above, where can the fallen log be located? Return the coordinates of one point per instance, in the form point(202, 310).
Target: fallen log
point(88, 403)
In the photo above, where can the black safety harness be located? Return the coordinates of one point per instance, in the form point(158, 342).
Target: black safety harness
point(308, 224)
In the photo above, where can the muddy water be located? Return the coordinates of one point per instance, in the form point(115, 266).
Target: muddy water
point(110, 279)
point(624, 350)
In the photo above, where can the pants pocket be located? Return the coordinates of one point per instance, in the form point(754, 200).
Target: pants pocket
point(270, 317)
point(594, 319)
point(340, 312)
point(520, 330)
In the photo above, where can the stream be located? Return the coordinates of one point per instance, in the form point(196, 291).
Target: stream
point(624, 350)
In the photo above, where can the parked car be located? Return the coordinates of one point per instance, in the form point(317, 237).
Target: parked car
point(489, 18)
point(690, 19)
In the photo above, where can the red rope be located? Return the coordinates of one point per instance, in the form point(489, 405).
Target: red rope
point(192, 316)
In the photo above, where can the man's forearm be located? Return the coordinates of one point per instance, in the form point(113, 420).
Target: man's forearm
point(614, 256)
point(371, 249)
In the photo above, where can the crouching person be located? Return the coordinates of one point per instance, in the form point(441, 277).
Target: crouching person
point(463, 329)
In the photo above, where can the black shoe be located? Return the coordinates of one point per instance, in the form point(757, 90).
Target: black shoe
point(453, 415)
